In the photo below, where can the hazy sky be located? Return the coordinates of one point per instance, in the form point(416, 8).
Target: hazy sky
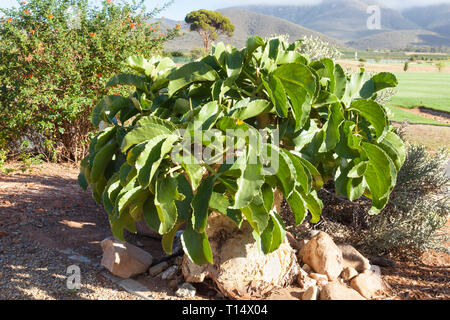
point(180, 8)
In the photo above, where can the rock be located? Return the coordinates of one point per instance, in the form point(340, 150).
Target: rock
point(313, 233)
point(301, 245)
point(374, 270)
point(170, 273)
point(304, 281)
point(186, 290)
point(349, 273)
point(320, 278)
point(240, 269)
point(311, 294)
point(294, 243)
point(157, 269)
point(123, 259)
point(323, 256)
point(368, 285)
point(352, 258)
point(307, 268)
point(337, 291)
point(382, 261)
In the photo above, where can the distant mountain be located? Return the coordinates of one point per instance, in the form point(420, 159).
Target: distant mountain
point(246, 24)
point(344, 20)
point(400, 39)
point(435, 18)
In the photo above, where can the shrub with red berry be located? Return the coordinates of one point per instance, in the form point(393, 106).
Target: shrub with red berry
point(55, 59)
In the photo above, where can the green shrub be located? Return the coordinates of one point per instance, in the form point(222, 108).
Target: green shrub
point(418, 209)
point(318, 124)
point(197, 53)
point(55, 58)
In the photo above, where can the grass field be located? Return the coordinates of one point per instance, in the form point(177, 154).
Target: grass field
point(430, 90)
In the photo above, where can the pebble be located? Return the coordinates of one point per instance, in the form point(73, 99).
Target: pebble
point(158, 268)
point(186, 290)
point(170, 273)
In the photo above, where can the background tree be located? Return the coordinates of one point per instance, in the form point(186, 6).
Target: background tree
point(55, 59)
point(209, 24)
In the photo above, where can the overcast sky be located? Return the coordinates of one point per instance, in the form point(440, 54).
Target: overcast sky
point(180, 8)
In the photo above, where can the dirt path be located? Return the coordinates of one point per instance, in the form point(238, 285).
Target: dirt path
point(47, 223)
point(440, 116)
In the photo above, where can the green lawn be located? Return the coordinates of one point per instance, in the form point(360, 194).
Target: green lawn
point(431, 90)
point(400, 115)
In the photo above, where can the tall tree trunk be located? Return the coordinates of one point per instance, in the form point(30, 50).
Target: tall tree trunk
point(206, 41)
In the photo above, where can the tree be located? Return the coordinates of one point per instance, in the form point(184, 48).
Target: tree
point(406, 66)
point(209, 24)
point(55, 59)
point(440, 65)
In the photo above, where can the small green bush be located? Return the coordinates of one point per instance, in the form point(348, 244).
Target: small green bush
point(417, 210)
point(55, 59)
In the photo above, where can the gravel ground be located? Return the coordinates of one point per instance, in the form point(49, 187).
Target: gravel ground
point(31, 271)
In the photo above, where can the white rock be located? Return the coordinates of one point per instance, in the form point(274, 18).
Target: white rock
point(186, 290)
point(240, 269)
point(368, 285)
point(123, 259)
point(170, 273)
point(323, 256)
point(374, 269)
point(337, 291)
point(304, 281)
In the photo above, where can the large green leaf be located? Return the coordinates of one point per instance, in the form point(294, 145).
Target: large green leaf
point(200, 204)
point(128, 79)
point(246, 109)
point(277, 94)
point(298, 75)
point(257, 216)
point(150, 214)
point(250, 181)
point(298, 206)
point(393, 145)
point(167, 239)
point(380, 176)
point(374, 113)
point(142, 134)
point(196, 246)
point(332, 127)
point(102, 159)
point(165, 197)
point(108, 108)
point(150, 159)
point(189, 73)
point(274, 234)
point(314, 204)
